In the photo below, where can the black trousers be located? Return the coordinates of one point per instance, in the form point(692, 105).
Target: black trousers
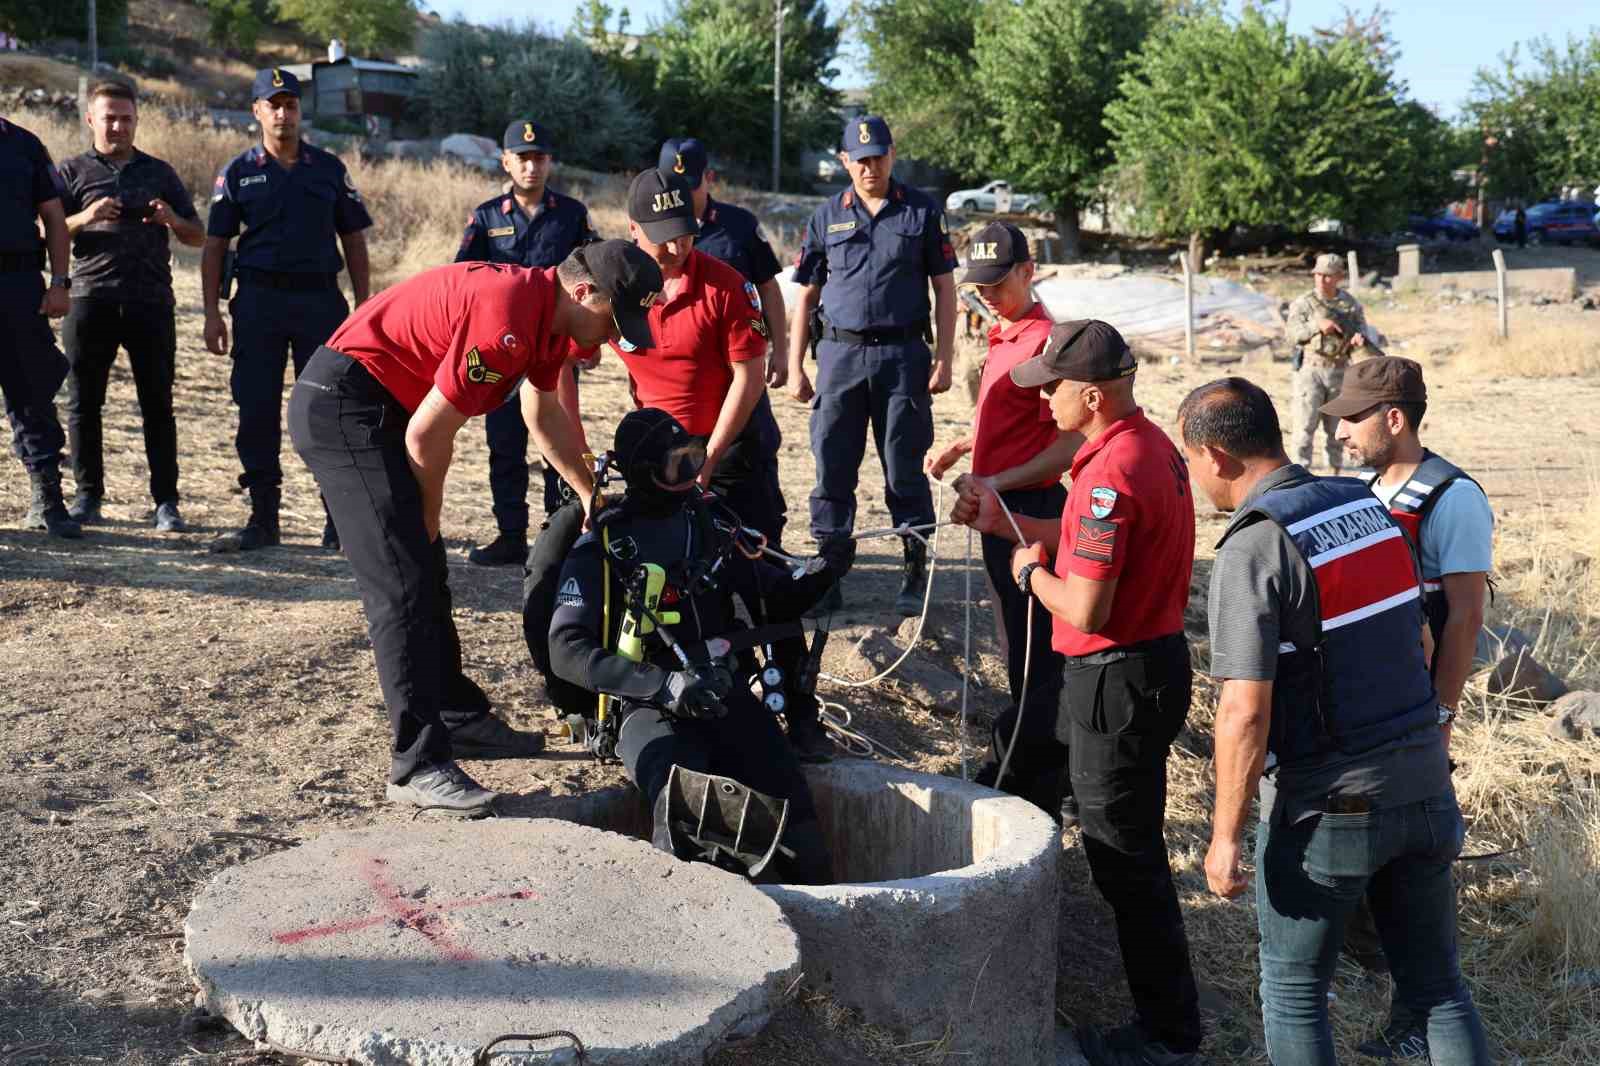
point(351, 433)
point(1038, 770)
point(31, 370)
point(268, 326)
point(91, 334)
point(1123, 708)
point(745, 745)
point(507, 435)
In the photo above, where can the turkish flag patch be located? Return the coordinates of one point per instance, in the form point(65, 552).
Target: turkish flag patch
point(1096, 539)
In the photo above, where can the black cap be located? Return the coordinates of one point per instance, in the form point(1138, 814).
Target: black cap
point(866, 136)
point(272, 81)
point(686, 157)
point(631, 280)
point(997, 248)
point(526, 135)
point(660, 202)
point(1085, 350)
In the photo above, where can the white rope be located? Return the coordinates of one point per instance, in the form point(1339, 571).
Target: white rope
point(1027, 656)
point(966, 655)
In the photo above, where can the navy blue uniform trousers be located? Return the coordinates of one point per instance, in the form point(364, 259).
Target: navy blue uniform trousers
point(884, 386)
point(507, 435)
point(269, 324)
point(31, 371)
point(352, 434)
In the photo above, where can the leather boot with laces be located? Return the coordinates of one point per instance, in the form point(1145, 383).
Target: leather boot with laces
point(261, 531)
point(48, 511)
point(914, 582)
point(510, 548)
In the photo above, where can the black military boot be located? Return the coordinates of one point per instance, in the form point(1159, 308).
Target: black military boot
point(915, 581)
point(48, 511)
point(510, 548)
point(261, 531)
point(85, 508)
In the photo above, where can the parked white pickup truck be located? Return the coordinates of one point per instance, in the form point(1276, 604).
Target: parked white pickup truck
point(995, 196)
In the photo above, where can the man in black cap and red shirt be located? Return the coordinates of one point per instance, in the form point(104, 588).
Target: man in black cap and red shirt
point(528, 224)
point(1123, 551)
point(375, 415)
point(1018, 452)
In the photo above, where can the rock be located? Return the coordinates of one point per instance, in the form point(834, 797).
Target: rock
point(409, 149)
point(469, 147)
point(932, 686)
point(1496, 642)
point(1575, 716)
point(1520, 675)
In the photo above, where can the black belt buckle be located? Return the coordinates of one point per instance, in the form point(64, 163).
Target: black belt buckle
point(1349, 804)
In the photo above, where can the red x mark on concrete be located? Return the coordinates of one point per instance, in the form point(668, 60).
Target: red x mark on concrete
point(425, 918)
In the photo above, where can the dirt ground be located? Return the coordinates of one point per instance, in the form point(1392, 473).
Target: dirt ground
point(168, 712)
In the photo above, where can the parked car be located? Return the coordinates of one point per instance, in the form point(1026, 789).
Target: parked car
point(1559, 222)
point(1444, 224)
point(984, 199)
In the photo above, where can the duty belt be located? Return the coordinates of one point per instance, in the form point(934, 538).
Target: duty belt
point(288, 282)
point(17, 262)
point(884, 335)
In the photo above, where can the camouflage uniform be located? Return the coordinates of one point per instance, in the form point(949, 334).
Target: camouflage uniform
point(1321, 375)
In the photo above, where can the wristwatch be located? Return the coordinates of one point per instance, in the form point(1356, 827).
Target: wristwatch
point(1446, 714)
point(1025, 578)
point(60, 281)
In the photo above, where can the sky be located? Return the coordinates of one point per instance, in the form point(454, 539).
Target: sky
point(1441, 44)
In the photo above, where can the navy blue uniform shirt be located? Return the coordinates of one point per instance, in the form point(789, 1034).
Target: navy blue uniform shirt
point(291, 216)
point(874, 271)
point(26, 180)
point(498, 231)
point(733, 235)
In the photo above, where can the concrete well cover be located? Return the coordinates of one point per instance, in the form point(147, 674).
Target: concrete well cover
point(418, 945)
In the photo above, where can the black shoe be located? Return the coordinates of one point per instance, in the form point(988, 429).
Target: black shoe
point(1069, 812)
point(168, 520)
point(505, 550)
point(47, 511)
point(253, 536)
point(1402, 1038)
point(914, 582)
point(330, 537)
point(487, 737)
point(1127, 1045)
point(810, 741)
point(443, 786)
point(85, 510)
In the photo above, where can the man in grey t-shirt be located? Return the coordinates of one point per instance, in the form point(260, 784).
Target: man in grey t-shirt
point(1320, 707)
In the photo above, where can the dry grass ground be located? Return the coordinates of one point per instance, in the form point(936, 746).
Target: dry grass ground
point(159, 701)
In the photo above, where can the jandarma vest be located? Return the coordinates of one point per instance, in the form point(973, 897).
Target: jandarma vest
point(1409, 507)
point(1364, 683)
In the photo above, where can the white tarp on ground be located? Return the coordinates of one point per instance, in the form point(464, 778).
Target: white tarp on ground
point(1150, 306)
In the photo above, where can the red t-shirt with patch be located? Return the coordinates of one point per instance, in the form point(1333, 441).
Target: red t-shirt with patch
point(711, 322)
point(472, 329)
point(1130, 516)
point(1012, 424)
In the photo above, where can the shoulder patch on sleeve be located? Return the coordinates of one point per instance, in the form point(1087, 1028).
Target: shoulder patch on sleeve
point(1096, 539)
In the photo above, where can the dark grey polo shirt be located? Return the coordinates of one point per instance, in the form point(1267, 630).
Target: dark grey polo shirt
point(128, 259)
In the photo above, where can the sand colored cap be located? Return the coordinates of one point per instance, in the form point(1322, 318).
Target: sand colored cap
point(1329, 263)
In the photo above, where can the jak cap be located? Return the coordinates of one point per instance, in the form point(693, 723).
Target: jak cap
point(866, 136)
point(632, 281)
point(1383, 379)
point(997, 248)
point(1085, 350)
point(526, 135)
point(685, 157)
point(272, 81)
point(1329, 263)
point(660, 202)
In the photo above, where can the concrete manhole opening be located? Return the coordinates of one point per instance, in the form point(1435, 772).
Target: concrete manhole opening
point(943, 925)
point(418, 945)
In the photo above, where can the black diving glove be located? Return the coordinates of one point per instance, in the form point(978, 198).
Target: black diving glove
point(839, 553)
point(696, 692)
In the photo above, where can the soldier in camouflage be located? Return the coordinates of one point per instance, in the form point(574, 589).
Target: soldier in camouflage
point(1328, 329)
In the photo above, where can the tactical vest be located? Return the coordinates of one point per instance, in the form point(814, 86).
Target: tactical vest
point(1409, 508)
point(1364, 683)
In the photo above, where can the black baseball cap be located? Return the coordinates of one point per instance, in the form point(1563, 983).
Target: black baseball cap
point(1383, 379)
point(631, 280)
point(686, 157)
point(866, 136)
point(660, 202)
point(526, 135)
point(997, 248)
point(1085, 350)
point(272, 81)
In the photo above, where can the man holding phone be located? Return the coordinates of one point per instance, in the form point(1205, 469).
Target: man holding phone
point(120, 205)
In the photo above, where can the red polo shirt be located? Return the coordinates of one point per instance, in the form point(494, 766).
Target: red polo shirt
point(472, 329)
point(1129, 516)
point(711, 322)
point(1012, 424)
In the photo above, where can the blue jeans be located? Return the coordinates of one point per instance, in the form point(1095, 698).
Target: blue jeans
point(1309, 879)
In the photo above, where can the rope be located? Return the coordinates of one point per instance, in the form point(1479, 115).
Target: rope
point(482, 1057)
point(1027, 652)
point(966, 657)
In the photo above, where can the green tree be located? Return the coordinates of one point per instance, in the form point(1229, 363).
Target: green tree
point(236, 24)
point(1540, 124)
point(714, 76)
point(924, 79)
point(364, 25)
point(1048, 69)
